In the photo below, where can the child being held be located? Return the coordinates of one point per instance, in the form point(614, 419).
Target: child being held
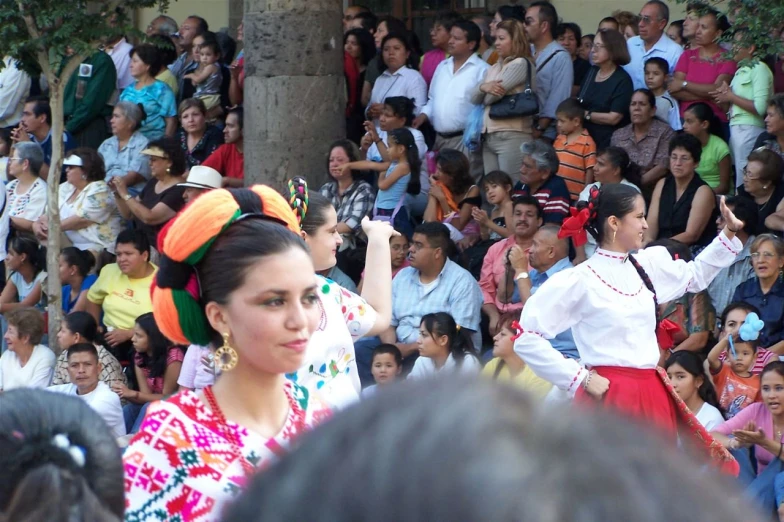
point(386, 365)
point(657, 71)
point(207, 78)
point(498, 190)
point(730, 322)
point(735, 385)
point(575, 148)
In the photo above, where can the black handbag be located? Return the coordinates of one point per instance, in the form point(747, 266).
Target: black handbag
point(519, 105)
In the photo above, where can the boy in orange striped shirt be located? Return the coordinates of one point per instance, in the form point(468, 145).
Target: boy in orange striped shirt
point(575, 148)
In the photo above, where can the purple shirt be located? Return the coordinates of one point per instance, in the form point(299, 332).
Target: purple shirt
point(761, 416)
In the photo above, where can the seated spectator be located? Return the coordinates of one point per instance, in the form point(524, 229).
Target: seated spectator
point(757, 427)
point(398, 113)
point(200, 179)
point(88, 213)
point(732, 319)
point(736, 386)
point(26, 363)
point(547, 256)
point(157, 366)
point(398, 248)
point(498, 192)
point(748, 96)
point(607, 89)
point(762, 183)
point(575, 148)
point(36, 127)
point(497, 272)
point(386, 365)
point(353, 199)
point(122, 292)
point(502, 138)
point(80, 328)
point(715, 162)
point(646, 138)
point(26, 262)
point(161, 197)
point(433, 283)
point(229, 159)
point(773, 137)
point(612, 166)
point(155, 96)
point(766, 289)
point(538, 175)
point(84, 369)
point(57, 448)
point(359, 46)
point(26, 194)
point(702, 68)
point(88, 97)
point(444, 349)
point(399, 76)
point(687, 376)
point(692, 313)
point(723, 285)
point(453, 197)
point(195, 373)
point(197, 138)
point(75, 268)
point(121, 153)
point(453, 445)
point(507, 366)
point(569, 35)
point(683, 205)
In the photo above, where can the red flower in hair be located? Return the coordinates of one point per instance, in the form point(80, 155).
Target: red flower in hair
point(574, 226)
point(518, 330)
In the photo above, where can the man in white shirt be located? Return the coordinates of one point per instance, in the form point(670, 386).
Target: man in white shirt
point(84, 371)
point(449, 100)
point(652, 42)
point(14, 88)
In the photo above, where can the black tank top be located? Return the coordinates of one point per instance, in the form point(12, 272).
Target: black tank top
point(674, 215)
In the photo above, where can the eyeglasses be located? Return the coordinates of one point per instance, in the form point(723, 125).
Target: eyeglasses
point(765, 255)
point(530, 21)
point(15, 159)
point(419, 246)
point(748, 176)
point(598, 47)
point(645, 19)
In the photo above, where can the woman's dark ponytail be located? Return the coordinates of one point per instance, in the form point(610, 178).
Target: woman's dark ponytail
point(460, 343)
point(27, 245)
point(83, 260)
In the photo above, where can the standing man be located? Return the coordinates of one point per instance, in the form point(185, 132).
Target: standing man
point(449, 100)
point(652, 42)
point(120, 51)
point(88, 99)
point(554, 69)
point(192, 27)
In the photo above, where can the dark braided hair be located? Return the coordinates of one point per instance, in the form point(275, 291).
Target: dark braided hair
point(648, 284)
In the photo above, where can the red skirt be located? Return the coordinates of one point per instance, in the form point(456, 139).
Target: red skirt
point(648, 397)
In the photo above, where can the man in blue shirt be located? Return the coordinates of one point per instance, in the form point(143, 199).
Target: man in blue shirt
point(652, 42)
point(547, 256)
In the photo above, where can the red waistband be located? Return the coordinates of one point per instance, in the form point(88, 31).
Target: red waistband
point(640, 373)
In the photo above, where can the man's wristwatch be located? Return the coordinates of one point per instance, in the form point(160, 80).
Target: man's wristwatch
point(588, 116)
point(685, 83)
point(522, 275)
point(127, 197)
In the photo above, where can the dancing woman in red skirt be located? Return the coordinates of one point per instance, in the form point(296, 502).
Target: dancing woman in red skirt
point(610, 303)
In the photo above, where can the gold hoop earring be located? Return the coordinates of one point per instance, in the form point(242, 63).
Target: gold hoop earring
point(225, 357)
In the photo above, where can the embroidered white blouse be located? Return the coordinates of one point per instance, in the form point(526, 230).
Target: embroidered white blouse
point(610, 311)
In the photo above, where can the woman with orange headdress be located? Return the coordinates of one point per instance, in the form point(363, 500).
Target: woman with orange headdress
point(330, 366)
point(233, 272)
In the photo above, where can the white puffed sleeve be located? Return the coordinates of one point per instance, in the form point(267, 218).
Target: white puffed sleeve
point(554, 308)
point(673, 278)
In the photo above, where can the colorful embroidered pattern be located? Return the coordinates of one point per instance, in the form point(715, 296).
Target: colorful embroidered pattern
point(180, 466)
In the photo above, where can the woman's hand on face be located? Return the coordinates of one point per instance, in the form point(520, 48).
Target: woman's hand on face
point(435, 189)
point(379, 229)
point(730, 221)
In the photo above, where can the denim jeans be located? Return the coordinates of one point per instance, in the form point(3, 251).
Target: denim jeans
point(766, 489)
point(134, 415)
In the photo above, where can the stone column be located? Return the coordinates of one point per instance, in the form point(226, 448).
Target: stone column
point(295, 94)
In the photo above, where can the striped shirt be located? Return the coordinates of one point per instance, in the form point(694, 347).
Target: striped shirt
point(553, 198)
point(575, 159)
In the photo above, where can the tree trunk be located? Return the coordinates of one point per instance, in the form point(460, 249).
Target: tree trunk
point(295, 94)
point(53, 286)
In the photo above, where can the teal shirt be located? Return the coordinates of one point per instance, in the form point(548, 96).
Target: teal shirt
point(754, 83)
point(712, 154)
point(98, 91)
point(159, 103)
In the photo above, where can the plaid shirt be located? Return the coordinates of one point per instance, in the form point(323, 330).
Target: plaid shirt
point(356, 203)
point(651, 150)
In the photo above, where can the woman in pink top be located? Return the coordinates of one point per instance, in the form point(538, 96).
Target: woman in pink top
point(760, 425)
point(701, 70)
point(439, 37)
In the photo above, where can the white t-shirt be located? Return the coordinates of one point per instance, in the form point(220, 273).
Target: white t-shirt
point(424, 367)
point(37, 373)
point(709, 417)
point(103, 400)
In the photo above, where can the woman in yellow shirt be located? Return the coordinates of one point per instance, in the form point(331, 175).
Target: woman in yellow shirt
point(507, 366)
